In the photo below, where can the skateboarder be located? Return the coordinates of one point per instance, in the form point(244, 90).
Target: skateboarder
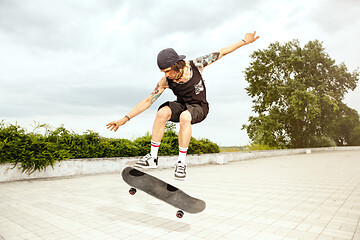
point(185, 80)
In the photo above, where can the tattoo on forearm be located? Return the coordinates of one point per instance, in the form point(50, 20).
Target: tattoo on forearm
point(154, 98)
point(207, 59)
point(156, 90)
point(155, 94)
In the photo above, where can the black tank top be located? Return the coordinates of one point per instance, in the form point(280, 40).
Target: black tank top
point(192, 91)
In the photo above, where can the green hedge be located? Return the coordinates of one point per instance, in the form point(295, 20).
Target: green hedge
point(34, 151)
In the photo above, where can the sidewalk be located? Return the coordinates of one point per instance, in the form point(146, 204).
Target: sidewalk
point(309, 196)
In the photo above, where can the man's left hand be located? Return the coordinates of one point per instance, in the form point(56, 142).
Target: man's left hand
point(250, 37)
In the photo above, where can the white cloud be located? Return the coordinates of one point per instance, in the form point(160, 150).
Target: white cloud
point(86, 63)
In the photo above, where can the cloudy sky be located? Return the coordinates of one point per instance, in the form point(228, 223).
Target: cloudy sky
point(84, 63)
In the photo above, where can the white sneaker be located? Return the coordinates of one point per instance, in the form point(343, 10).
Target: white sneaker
point(147, 161)
point(180, 171)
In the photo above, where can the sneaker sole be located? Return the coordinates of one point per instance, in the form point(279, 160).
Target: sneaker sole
point(145, 167)
point(179, 179)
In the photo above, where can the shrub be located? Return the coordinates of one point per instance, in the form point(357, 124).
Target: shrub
point(202, 146)
point(31, 151)
point(257, 147)
point(34, 151)
point(321, 141)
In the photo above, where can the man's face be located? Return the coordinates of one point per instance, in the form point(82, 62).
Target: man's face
point(170, 73)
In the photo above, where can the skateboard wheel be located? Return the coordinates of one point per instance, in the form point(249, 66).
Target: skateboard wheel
point(132, 191)
point(180, 214)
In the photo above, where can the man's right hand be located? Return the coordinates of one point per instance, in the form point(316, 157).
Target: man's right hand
point(114, 125)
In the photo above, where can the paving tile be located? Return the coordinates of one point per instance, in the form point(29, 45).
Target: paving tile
point(310, 196)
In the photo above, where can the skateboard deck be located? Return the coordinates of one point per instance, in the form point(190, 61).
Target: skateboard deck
point(162, 191)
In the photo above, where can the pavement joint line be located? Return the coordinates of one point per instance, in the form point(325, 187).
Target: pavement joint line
point(309, 196)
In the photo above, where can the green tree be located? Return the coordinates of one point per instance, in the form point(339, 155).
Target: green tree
point(344, 127)
point(296, 93)
point(355, 136)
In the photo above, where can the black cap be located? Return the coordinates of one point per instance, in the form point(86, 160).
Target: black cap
point(168, 57)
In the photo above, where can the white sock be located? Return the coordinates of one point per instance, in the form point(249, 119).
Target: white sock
point(182, 154)
point(154, 149)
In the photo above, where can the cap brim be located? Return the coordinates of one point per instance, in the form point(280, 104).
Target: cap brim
point(182, 57)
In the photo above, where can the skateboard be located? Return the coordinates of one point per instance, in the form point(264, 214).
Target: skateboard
point(162, 191)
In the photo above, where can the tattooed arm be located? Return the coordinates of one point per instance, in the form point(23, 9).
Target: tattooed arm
point(159, 89)
point(202, 62)
point(141, 106)
point(206, 60)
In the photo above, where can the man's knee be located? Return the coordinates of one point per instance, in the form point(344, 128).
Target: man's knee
point(185, 118)
point(164, 114)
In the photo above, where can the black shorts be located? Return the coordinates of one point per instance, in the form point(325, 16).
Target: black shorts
point(198, 112)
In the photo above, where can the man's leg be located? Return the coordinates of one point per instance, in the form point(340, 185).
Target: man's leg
point(185, 129)
point(184, 141)
point(151, 160)
point(162, 116)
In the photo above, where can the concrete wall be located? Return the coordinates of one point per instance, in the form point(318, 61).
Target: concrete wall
point(75, 167)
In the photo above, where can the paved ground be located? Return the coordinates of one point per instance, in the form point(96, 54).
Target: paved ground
point(312, 196)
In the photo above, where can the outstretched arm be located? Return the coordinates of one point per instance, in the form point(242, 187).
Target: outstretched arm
point(140, 107)
point(249, 38)
point(206, 60)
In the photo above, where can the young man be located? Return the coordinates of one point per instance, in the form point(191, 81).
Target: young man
point(191, 107)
